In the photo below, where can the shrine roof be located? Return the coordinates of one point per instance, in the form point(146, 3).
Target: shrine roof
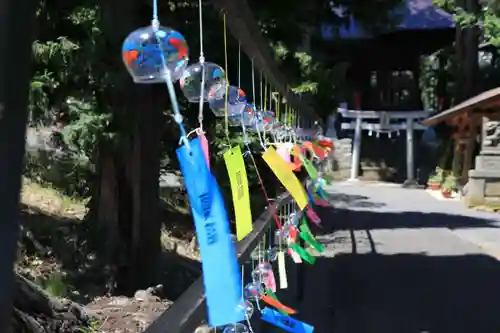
point(412, 15)
point(483, 101)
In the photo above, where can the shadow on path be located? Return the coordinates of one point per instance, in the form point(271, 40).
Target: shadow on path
point(403, 294)
point(400, 293)
point(344, 219)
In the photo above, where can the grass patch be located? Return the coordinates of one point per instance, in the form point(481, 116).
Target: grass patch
point(55, 285)
point(50, 201)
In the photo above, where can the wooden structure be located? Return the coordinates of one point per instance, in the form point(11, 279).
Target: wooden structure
point(385, 82)
point(388, 79)
point(477, 117)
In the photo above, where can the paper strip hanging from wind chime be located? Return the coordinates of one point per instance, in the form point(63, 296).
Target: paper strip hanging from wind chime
point(239, 189)
point(310, 169)
point(286, 177)
point(285, 322)
point(221, 273)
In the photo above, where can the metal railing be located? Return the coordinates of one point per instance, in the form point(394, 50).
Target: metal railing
point(188, 312)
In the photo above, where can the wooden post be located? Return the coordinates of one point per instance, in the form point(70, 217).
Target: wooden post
point(17, 22)
point(470, 145)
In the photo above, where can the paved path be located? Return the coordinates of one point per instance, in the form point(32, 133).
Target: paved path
point(400, 261)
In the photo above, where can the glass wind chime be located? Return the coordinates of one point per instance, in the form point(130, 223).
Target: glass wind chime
point(158, 54)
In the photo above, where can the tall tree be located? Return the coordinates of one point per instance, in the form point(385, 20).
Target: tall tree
point(126, 197)
point(17, 25)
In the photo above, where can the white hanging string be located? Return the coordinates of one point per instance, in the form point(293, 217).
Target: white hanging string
point(155, 23)
point(202, 62)
point(239, 64)
point(257, 120)
point(261, 94)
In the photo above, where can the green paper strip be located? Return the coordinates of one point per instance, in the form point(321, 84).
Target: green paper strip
point(311, 170)
point(309, 239)
point(303, 221)
point(270, 293)
point(303, 253)
point(273, 295)
point(322, 193)
point(328, 179)
point(307, 235)
point(318, 188)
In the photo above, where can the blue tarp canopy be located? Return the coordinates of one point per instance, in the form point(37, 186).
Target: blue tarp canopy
point(412, 15)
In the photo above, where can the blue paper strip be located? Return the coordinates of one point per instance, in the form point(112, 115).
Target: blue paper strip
point(285, 322)
point(311, 199)
point(221, 274)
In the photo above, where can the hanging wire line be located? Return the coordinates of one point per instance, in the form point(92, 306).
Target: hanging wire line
point(155, 11)
point(239, 64)
point(243, 127)
point(253, 82)
point(226, 116)
point(200, 14)
point(249, 153)
point(264, 140)
point(277, 103)
point(247, 317)
point(202, 62)
point(265, 95)
point(261, 95)
point(155, 23)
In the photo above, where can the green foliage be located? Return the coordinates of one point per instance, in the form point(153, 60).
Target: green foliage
point(66, 171)
point(486, 18)
point(450, 183)
point(436, 176)
point(68, 79)
point(92, 328)
point(87, 128)
point(55, 285)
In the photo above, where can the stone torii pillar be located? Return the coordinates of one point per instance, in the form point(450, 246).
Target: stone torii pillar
point(384, 126)
point(410, 156)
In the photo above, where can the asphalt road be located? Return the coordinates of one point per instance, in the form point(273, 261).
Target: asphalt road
point(400, 261)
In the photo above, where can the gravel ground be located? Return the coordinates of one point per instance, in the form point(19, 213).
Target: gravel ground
point(127, 315)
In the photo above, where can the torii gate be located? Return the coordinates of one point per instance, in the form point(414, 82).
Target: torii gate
point(409, 125)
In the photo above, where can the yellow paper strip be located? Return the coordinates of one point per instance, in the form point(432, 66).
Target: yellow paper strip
point(286, 177)
point(239, 189)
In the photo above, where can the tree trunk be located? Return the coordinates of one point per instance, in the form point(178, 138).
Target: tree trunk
point(37, 312)
point(467, 76)
point(17, 27)
point(126, 201)
point(128, 198)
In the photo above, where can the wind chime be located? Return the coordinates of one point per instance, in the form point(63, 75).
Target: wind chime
point(158, 54)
